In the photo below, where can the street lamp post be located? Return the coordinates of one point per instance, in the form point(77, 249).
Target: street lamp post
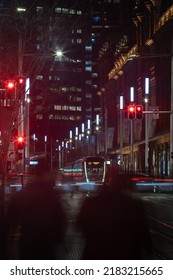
point(88, 135)
point(97, 133)
point(45, 146)
point(146, 124)
point(121, 130)
point(83, 133)
point(131, 129)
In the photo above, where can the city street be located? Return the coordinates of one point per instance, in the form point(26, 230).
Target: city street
point(159, 211)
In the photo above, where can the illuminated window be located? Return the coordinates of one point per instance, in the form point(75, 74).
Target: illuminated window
point(39, 116)
point(72, 108)
point(88, 48)
point(39, 77)
point(78, 108)
point(50, 117)
point(72, 12)
point(57, 117)
point(88, 62)
point(64, 117)
point(79, 41)
point(39, 9)
point(57, 107)
point(88, 82)
point(94, 75)
point(88, 69)
point(88, 95)
point(65, 107)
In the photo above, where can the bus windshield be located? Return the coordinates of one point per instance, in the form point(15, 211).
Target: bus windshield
point(94, 169)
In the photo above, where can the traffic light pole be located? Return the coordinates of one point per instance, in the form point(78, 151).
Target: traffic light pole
point(131, 145)
point(146, 139)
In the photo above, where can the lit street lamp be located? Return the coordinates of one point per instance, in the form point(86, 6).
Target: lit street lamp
point(146, 124)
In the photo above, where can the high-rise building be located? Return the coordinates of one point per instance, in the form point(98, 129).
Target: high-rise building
point(58, 45)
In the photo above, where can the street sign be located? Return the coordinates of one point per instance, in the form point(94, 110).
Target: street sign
point(156, 114)
point(11, 156)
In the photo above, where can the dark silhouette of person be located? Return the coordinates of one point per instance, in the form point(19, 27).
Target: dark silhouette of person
point(114, 225)
point(37, 213)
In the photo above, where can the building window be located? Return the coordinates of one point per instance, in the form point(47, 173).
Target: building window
point(39, 116)
point(72, 118)
point(39, 77)
point(88, 69)
point(79, 41)
point(64, 117)
point(39, 108)
point(50, 117)
point(78, 108)
point(57, 107)
point(88, 95)
point(39, 97)
point(65, 107)
point(88, 82)
point(57, 117)
point(72, 108)
point(94, 75)
point(88, 48)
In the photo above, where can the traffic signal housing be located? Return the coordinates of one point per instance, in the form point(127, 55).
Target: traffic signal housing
point(139, 112)
point(19, 156)
point(21, 82)
point(131, 112)
point(20, 143)
point(10, 86)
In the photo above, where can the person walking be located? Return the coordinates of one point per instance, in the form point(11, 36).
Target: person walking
point(36, 212)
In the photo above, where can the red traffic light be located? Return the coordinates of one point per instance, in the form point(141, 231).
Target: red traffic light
point(21, 80)
point(20, 143)
point(131, 112)
point(139, 111)
point(10, 84)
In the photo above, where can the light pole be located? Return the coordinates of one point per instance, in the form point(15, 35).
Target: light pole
point(97, 132)
point(132, 98)
point(147, 82)
point(88, 135)
point(76, 141)
point(83, 133)
point(45, 147)
point(59, 153)
point(121, 129)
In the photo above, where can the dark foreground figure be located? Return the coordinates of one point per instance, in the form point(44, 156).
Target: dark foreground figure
point(37, 212)
point(114, 225)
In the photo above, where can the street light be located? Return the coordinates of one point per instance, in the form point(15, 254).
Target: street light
point(121, 129)
point(147, 85)
point(97, 132)
point(132, 99)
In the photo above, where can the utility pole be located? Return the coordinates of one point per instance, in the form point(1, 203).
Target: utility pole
point(146, 125)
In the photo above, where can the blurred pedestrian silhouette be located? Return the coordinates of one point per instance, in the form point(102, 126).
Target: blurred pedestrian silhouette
point(37, 214)
point(114, 224)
